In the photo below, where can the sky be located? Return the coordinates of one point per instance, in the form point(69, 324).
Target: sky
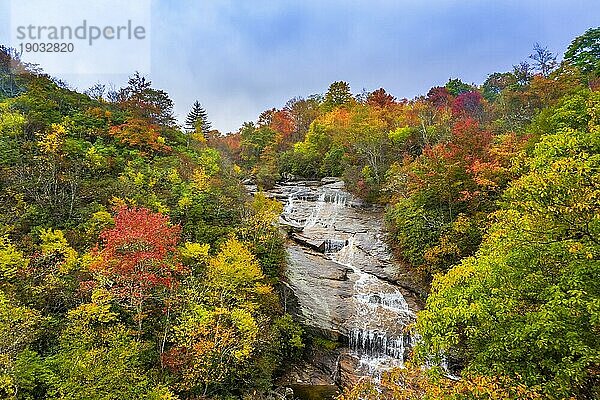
point(239, 58)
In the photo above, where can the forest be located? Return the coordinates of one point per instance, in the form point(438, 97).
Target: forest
point(135, 265)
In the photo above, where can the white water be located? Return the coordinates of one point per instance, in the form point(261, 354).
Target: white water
point(376, 331)
point(370, 338)
point(323, 214)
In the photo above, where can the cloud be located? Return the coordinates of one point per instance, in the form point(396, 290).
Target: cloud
point(239, 58)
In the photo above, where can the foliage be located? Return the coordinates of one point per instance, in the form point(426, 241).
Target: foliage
point(137, 259)
point(197, 120)
point(530, 292)
point(440, 215)
point(413, 383)
point(258, 228)
point(99, 358)
point(337, 95)
point(19, 328)
point(109, 223)
point(218, 333)
point(584, 52)
point(134, 265)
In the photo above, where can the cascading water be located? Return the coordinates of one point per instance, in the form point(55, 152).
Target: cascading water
point(376, 333)
point(324, 211)
point(379, 311)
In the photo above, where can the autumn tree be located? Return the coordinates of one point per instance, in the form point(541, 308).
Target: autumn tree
point(258, 228)
point(303, 112)
point(143, 101)
point(218, 332)
point(439, 96)
point(137, 132)
point(468, 105)
point(439, 213)
point(254, 139)
point(526, 305)
point(137, 258)
point(283, 123)
point(380, 98)
point(416, 383)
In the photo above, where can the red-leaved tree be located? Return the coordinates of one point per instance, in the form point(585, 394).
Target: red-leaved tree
point(137, 259)
point(468, 105)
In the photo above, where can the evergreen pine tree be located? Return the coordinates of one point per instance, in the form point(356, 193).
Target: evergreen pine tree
point(197, 119)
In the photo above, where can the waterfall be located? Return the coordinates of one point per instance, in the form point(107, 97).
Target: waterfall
point(375, 331)
point(324, 212)
point(370, 338)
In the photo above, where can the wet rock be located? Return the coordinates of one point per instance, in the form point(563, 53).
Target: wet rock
point(318, 367)
point(343, 278)
point(347, 367)
point(330, 179)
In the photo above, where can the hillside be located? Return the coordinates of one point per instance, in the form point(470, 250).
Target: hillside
point(135, 264)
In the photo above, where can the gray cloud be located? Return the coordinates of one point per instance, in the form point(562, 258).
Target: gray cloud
point(239, 58)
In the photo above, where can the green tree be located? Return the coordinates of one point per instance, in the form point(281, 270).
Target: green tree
point(20, 327)
point(197, 120)
point(99, 358)
point(456, 87)
point(528, 304)
point(337, 95)
point(584, 52)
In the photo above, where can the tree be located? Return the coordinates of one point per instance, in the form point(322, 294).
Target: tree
point(143, 101)
point(584, 52)
point(266, 117)
point(137, 132)
point(527, 305)
point(283, 123)
point(19, 328)
point(439, 96)
point(218, 332)
point(99, 358)
point(137, 260)
point(254, 139)
point(380, 98)
point(456, 87)
point(260, 231)
point(440, 210)
point(496, 83)
point(303, 112)
point(523, 73)
point(468, 105)
point(12, 70)
point(197, 120)
point(337, 95)
point(96, 91)
point(544, 60)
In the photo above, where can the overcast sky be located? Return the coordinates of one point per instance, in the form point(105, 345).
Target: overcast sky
point(241, 57)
